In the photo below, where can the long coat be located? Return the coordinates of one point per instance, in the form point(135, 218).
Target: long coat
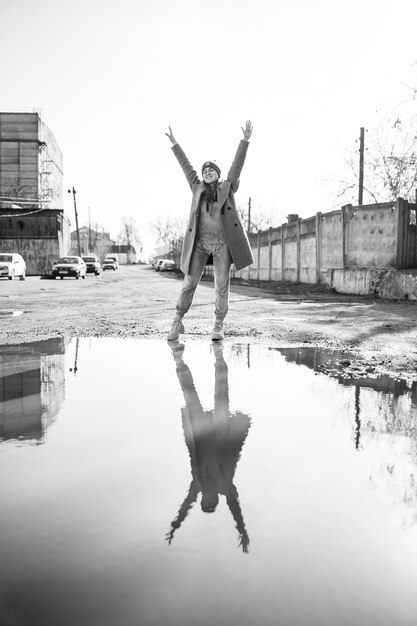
point(234, 232)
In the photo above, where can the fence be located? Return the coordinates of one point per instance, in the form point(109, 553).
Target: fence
point(369, 236)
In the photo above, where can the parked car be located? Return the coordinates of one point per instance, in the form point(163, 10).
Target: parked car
point(93, 264)
point(112, 255)
point(69, 266)
point(12, 265)
point(109, 264)
point(164, 265)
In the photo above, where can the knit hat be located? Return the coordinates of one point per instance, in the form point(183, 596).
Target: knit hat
point(212, 164)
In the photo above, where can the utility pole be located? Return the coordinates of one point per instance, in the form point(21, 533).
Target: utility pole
point(89, 232)
point(76, 220)
point(361, 164)
point(249, 215)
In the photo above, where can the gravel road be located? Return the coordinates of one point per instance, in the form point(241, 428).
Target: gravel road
point(136, 301)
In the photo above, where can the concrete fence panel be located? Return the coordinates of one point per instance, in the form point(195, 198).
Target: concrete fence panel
point(263, 273)
point(371, 235)
point(375, 236)
point(276, 261)
point(331, 245)
point(308, 259)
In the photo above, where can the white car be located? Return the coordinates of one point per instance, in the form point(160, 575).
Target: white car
point(166, 265)
point(109, 264)
point(12, 265)
point(112, 257)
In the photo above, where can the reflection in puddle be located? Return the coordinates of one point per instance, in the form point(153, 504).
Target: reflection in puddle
point(31, 388)
point(395, 404)
point(136, 433)
point(214, 440)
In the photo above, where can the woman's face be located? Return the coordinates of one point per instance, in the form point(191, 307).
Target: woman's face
point(210, 175)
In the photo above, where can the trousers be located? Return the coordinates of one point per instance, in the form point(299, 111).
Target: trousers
point(222, 261)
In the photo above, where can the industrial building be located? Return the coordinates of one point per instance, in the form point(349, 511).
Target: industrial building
point(92, 241)
point(32, 219)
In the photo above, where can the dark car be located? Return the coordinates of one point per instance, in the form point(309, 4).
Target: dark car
point(93, 264)
point(69, 266)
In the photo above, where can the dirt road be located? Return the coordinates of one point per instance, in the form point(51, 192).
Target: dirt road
point(135, 301)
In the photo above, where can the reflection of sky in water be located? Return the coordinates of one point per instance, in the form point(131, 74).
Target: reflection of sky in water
point(84, 516)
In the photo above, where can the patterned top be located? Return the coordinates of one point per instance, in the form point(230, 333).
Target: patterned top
point(210, 228)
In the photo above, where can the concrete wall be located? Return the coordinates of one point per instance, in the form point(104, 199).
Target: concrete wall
point(385, 283)
point(371, 235)
point(361, 281)
point(304, 250)
point(39, 254)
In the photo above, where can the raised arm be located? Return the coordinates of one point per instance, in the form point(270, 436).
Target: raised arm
point(239, 160)
point(247, 131)
point(187, 168)
point(190, 498)
point(233, 503)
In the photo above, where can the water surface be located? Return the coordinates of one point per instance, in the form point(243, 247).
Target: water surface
point(202, 485)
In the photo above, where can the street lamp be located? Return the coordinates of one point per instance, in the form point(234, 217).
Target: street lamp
point(76, 219)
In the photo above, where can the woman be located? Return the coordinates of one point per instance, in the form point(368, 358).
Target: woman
point(214, 229)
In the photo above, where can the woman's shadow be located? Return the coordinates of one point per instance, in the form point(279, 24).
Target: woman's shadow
point(214, 440)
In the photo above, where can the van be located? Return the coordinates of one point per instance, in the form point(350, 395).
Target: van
point(113, 257)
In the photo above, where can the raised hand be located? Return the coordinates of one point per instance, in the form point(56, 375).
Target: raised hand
point(171, 136)
point(247, 131)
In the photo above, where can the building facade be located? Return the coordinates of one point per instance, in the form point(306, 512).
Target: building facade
point(32, 220)
point(92, 241)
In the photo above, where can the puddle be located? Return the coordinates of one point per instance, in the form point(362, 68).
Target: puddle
point(12, 313)
point(203, 485)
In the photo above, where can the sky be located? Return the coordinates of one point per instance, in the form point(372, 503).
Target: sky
point(108, 77)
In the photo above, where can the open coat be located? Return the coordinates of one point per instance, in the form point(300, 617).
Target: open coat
point(234, 232)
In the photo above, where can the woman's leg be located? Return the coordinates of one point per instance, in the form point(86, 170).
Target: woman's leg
point(191, 280)
point(222, 262)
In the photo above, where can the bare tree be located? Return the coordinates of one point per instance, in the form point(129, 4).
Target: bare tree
point(260, 218)
point(129, 233)
point(390, 164)
point(169, 229)
point(171, 232)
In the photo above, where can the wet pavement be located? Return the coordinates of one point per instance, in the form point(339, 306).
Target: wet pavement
point(201, 484)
